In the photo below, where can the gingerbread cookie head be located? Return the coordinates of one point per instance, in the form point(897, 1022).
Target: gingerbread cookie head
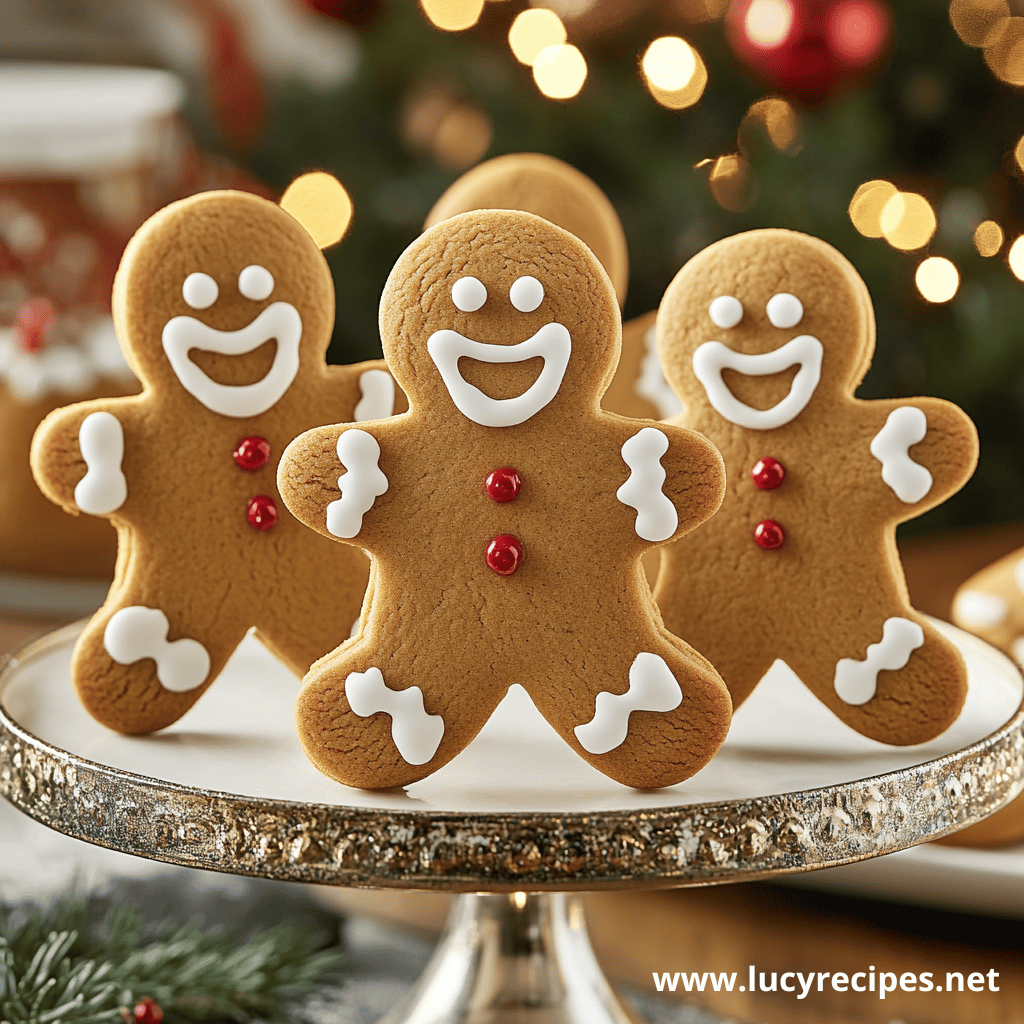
point(551, 189)
point(765, 327)
point(499, 318)
point(226, 296)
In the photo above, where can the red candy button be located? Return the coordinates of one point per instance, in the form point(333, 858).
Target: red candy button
point(504, 554)
point(503, 484)
point(33, 324)
point(768, 473)
point(252, 453)
point(261, 512)
point(769, 535)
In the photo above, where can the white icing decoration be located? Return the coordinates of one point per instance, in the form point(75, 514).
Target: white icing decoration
point(200, 291)
point(551, 342)
point(712, 357)
point(378, 396)
point(652, 687)
point(726, 311)
point(652, 384)
point(416, 734)
point(364, 482)
point(468, 294)
point(855, 680)
point(101, 441)
point(1018, 575)
point(908, 480)
point(974, 609)
point(526, 294)
point(656, 518)
point(138, 632)
point(785, 310)
point(1018, 650)
point(256, 282)
point(280, 320)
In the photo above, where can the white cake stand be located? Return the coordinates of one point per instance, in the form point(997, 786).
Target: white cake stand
point(516, 822)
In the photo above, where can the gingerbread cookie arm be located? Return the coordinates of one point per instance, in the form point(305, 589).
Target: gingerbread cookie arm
point(365, 391)
point(77, 456)
point(925, 449)
point(332, 479)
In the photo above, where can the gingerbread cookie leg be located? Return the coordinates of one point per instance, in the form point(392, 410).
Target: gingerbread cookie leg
point(898, 681)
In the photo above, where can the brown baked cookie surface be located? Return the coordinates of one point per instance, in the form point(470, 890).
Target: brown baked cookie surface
point(505, 515)
point(224, 306)
point(765, 336)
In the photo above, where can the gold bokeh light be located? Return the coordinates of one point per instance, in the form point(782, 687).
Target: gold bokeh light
point(533, 31)
point(937, 279)
point(988, 238)
point(462, 137)
point(560, 71)
point(975, 21)
point(319, 202)
point(907, 221)
point(776, 117)
point(767, 22)
point(453, 15)
point(1016, 258)
point(674, 72)
point(867, 205)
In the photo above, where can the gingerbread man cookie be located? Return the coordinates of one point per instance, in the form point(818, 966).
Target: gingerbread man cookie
point(505, 514)
point(765, 336)
point(224, 305)
point(991, 605)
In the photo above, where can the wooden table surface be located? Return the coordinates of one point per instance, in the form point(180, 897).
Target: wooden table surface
point(728, 928)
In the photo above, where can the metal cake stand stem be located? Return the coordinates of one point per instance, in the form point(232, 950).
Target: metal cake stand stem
point(516, 822)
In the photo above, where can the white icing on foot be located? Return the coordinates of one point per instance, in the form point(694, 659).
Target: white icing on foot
point(974, 609)
point(360, 487)
point(378, 396)
point(726, 311)
point(856, 681)
point(906, 426)
point(652, 687)
point(652, 384)
point(280, 321)
point(101, 441)
point(656, 518)
point(712, 357)
point(552, 343)
point(416, 734)
point(138, 632)
point(785, 310)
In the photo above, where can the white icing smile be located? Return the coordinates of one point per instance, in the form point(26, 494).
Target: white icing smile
point(280, 321)
point(712, 357)
point(552, 343)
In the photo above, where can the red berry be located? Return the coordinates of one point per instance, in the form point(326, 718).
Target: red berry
point(768, 473)
point(252, 453)
point(262, 512)
point(769, 535)
point(504, 554)
point(503, 484)
point(147, 1012)
point(33, 323)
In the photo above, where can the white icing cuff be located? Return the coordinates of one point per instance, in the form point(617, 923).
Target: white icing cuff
point(657, 518)
point(856, 681)
point(652, 384)
point(378, 396)
point(138, 632)
point(103, 489)
point(360, 487)
point(908, 480)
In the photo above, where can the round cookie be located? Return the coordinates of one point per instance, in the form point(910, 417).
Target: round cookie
point(505, 514)
point(765, 336)
point(224, 305)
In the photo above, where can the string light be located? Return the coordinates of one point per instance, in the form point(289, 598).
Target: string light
point(1016, 258)
point(907, 221)
point(1005, 53)
point(319, 202)
point(867, 205)
point(988, 238)
point(674, 72)
point(1018, 153)
point(767, 22)
point(560, 71)
point(462, 137)
point(533, 31)
point(776, 117)
point(453, 15)
point(976, 20)
point(937, 279)
point(731, 182)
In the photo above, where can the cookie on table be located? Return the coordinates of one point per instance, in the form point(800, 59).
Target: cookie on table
point(505, 515)
point(224, 305)
point(765, 336)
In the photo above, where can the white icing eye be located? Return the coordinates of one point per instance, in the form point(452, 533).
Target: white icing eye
point(526, 293)
point(726, 311)
point(469, 294)
point(785, 310)
point(255, 282)
point(200, 291)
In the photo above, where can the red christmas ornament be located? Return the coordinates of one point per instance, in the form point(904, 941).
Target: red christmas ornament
point(768, 535)
point(768, 473)
point(504, 554)
point(261, 513)
point(808, 49)
point(357, 13)
point(147, 1012)
point(252, 453)
point(502, 484)
point(33, 323)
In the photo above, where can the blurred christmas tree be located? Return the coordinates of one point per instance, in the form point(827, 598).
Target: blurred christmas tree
point(776, 113)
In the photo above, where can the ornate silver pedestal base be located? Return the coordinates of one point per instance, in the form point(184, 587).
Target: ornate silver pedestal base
point(518, 958)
